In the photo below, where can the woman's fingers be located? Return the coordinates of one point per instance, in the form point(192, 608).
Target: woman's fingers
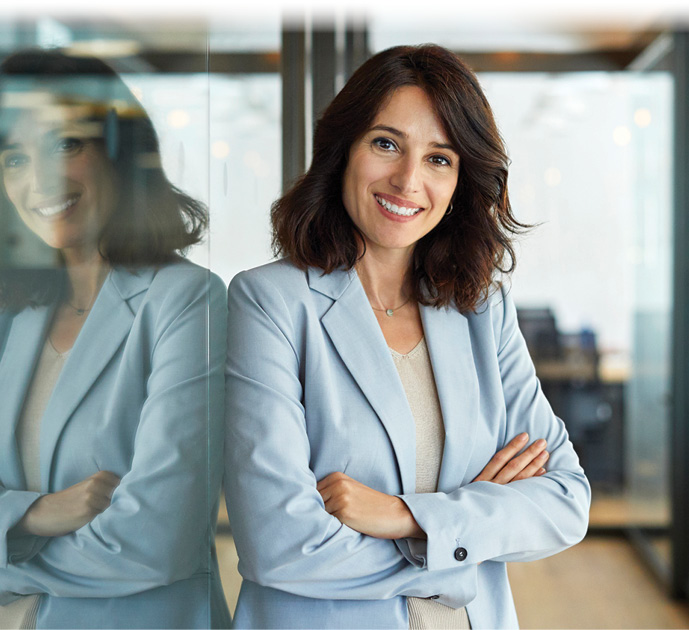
point(331, 479)
point(103, 483)
point(508, 464)
point(502, 457)
point(515, 466)
point(66, 511)
point(535, 468)
point(366, 510)
point(330, 488)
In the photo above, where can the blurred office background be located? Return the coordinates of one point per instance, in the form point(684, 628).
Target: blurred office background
point(595, 117)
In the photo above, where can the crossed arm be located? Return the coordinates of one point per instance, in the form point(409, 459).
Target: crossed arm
point(381, 515)
point(332, 538)
point(106, 537)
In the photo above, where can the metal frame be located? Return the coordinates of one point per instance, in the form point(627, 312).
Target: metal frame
point(679, 530)
point(324, 59)
point(310, 59)
point(293, 72)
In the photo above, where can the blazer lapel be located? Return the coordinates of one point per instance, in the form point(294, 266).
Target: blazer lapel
point(449, 344)
point(357, 337)
point(104, 331)
point(25, 339)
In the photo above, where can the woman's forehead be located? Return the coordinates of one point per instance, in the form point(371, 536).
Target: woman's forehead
point(32, 117)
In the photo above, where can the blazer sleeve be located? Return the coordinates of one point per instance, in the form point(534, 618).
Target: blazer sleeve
point(14, 503)
point(522, 520)
point(13, 506)
point(156, 530)
point(284, 536)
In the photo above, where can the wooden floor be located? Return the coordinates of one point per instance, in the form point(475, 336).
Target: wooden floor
point(600, 583)
point(621, 510)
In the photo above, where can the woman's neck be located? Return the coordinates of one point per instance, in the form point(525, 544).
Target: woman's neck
point(86, 275)
point(386, 278)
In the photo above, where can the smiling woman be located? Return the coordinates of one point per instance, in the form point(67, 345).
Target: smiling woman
point(110, 366)
point(388, 445)
point(406, 177)
point(58, 178)
point(70, 127)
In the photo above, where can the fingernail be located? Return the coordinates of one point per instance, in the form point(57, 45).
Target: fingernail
point(522, 437)
point(540, 442)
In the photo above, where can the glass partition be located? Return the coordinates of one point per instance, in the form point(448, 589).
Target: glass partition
point(591, 170)
point(111, 344)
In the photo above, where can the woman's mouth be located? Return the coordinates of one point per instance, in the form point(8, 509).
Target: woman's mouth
point(401, 211)
point(53, 208)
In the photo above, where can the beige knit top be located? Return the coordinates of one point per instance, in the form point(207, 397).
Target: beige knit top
point(416, 374)
point(21, 613)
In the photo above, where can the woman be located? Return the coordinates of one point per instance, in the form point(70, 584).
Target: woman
point(110, 427)
point(386, 431)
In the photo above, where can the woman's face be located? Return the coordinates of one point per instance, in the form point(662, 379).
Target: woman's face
point(401, 174)
point(58, 177)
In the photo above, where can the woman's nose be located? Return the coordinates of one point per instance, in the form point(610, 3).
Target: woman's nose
point(46, 174)
point(407, 175)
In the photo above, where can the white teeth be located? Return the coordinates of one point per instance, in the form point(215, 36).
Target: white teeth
point(51, 211)
point(400, 210)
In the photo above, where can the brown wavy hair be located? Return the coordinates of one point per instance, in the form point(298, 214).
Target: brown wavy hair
point(459, 260)
point(153, 220)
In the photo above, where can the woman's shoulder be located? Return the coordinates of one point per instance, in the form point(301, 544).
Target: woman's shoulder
point(170, 288)
point(282, 270)
point(278, 277)
point(179, 275)
point(496, 313)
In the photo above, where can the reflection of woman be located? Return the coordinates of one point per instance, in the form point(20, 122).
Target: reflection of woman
point(373, 375)
point(110, 444)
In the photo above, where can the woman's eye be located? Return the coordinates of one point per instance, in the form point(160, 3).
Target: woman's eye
point(385, 144)
point(14, 160)
point(68, 145)
point(440, 160)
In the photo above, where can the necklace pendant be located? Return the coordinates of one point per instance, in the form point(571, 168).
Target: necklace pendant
point(389, 312)
point(81, 311)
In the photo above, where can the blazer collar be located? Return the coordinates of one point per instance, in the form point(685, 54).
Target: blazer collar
point(332, 285)
point(456, 379)
point(104, 331)
point(356, 335)
point(25, 338)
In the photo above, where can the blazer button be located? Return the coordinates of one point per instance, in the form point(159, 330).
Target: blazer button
point(460, 554)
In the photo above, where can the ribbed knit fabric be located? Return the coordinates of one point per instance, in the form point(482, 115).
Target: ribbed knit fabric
point(22, 612)
point(416, 374)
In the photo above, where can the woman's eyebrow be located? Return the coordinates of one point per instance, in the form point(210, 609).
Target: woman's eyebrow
point(9, 146)
point(392, 130)
point(439, 145)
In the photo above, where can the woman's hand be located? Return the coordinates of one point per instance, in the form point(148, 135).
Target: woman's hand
point(506, 465)
point(385, 516)
point(66, 511)
point(366, 510)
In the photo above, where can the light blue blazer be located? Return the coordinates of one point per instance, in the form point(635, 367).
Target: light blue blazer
point(312, 389)
point(136, 397)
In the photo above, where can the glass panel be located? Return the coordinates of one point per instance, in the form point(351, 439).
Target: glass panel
point(592, 170)
point(245, 168)
point(245, 141)
point(111, 345)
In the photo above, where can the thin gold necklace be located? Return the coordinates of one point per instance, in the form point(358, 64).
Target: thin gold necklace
point(79, 311)
point(391, 311)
